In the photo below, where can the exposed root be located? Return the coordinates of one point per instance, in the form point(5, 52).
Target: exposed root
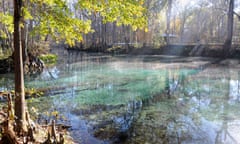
point(35, 134)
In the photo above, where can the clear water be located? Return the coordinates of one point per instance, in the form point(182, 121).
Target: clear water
point(139, 99)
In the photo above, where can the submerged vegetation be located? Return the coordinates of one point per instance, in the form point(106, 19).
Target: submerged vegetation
point(109, 101)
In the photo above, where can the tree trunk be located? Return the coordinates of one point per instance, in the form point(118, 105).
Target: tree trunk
point(181, 33)
point(23, 41)
point(169, 9)
point(19, 75)
point(228, 42)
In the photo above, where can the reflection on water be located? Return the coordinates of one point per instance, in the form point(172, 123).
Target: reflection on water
point(137, 99)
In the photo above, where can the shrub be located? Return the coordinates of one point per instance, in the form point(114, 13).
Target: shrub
point(49, 58)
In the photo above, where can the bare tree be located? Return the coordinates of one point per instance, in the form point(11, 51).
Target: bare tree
point(228, 42)
point(169, 10)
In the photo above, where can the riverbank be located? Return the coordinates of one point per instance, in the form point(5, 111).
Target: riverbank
point(191, 49)
point(185, 50)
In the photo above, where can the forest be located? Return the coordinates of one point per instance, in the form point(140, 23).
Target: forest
point(119, 71)
point(85, 25)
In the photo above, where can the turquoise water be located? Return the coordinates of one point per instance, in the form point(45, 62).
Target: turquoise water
point(138, 99)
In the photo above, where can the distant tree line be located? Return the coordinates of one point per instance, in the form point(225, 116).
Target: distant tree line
point(169, 21)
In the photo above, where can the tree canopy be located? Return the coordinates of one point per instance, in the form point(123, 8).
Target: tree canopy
point(85, 20)
point(57, 19)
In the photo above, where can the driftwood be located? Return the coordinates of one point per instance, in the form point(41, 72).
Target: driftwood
point(58, 126)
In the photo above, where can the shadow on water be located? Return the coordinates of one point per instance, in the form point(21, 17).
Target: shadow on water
point(139, 99)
